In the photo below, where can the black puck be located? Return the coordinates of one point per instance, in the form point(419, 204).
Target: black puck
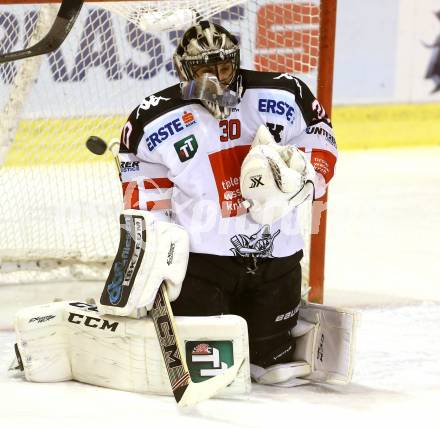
point(96, 145)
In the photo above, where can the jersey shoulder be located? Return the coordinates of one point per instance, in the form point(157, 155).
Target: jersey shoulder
point(151, 108)
point(304, 97)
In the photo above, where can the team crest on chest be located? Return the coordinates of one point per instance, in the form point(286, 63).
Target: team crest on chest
point(260, 244)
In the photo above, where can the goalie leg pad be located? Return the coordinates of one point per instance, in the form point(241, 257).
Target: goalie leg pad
point(329, 342)
point(324, 351)
point(72, 341)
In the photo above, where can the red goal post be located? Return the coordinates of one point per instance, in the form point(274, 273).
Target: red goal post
point(324, 94)
point(283, 36)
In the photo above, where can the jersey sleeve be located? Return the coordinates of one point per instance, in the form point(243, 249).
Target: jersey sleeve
point(145, 186)
point(145, 183)
point(317, 138)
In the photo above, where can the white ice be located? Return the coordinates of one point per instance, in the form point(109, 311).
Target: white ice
point(382, 259)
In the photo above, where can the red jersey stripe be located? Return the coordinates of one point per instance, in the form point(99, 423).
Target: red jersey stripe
point(130, 191)
point(162, 204)
point(157, 183)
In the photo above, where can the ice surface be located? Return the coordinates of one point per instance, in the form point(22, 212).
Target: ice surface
point(382, 258)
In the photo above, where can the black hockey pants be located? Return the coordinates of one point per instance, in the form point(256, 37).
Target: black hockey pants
point(265, 292)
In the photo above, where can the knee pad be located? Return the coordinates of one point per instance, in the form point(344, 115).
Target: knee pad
point(270, 350)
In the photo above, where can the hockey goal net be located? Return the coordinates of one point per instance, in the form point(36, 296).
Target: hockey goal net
point(60, 203)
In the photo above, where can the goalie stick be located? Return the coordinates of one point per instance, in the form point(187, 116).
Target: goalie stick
point(61, 27)
point(185, 391)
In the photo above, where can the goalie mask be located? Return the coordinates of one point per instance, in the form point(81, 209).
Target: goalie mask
point(207, 60)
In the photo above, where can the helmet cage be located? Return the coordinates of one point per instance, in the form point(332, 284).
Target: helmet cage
point(212, 58)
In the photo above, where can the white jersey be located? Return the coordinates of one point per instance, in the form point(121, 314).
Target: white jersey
point(183, 165)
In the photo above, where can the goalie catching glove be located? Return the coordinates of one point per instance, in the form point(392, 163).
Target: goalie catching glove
point(149, 252)
point(274, 179)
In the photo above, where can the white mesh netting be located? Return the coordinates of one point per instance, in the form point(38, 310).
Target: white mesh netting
point(60, 204)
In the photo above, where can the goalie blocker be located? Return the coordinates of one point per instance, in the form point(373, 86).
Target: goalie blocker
point(150, 253)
